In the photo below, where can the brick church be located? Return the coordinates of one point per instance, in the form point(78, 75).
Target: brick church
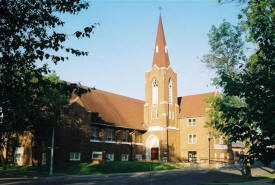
point(102, 126)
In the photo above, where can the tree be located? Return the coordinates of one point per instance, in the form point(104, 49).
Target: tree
point(245, 111)
point(28, 35)
point(226, 49)
point(49, 101)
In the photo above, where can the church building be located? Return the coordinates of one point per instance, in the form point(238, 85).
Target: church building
point(102, 126)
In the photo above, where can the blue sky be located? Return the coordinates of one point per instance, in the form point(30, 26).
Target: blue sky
point(121, 48)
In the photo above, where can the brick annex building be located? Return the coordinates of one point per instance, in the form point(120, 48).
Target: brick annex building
point(106, 126)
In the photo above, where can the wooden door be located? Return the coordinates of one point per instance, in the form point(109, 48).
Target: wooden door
point(154, 153)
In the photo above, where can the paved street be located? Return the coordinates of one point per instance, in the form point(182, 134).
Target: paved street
point(172, 177)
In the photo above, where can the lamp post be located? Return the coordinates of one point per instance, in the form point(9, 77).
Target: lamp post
point(52, 153)
point(209, 138)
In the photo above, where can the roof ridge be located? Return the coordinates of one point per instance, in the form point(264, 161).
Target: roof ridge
point(118, 95)
point(198, 94)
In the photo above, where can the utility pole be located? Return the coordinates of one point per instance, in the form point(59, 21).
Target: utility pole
point(209, 138)
point(52, 153)
point(167, 125)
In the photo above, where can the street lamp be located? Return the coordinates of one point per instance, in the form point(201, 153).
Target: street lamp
point(209, 138)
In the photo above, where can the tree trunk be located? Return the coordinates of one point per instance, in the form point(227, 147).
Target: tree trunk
point(3, 160)
point(247, 169)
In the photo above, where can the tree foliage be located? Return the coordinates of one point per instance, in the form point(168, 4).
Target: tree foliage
point(226, 49)
point(29, 40)
point(245, 110)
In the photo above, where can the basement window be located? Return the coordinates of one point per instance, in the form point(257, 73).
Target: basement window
point(74, 156)
point(110, 157)
point(97, 155)
point(138, 157)
point(124, 157)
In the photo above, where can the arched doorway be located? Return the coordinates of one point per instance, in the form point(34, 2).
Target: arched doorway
point(152, 148)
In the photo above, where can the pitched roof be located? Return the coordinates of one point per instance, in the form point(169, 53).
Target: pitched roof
point(161, 58)
point(113, 109)
point(194, 105)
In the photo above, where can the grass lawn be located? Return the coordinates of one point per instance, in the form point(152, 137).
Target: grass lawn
point(92, 168)
point(23, 171)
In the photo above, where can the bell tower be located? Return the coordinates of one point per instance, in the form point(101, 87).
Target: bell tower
point(161, 108)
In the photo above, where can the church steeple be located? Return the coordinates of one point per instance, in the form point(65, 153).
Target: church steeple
point(161, 58)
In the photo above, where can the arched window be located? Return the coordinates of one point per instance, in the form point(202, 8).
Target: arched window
point(170, 92)
point(155, 92)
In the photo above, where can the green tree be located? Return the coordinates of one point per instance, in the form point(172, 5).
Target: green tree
point(245, 110)
point(226, 49)
point(28, 42)
point(49, 102)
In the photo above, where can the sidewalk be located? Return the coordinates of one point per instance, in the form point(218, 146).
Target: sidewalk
point(257, 182)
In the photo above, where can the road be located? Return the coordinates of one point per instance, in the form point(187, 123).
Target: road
point(190, 176)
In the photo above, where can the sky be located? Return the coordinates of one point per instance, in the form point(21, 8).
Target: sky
point(122, 45)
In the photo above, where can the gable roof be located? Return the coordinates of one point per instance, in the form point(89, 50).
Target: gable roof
point(113, 109)
point(194, 105)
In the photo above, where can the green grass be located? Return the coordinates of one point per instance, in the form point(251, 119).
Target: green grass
point(114, 167)
point(23, 171)
point(92, 168)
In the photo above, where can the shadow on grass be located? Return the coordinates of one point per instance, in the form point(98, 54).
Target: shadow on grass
point(77, 168)
point(112, 167)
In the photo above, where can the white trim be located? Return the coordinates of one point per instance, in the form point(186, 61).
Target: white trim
point(107, 125)
point(115, 142)
point(155, 98)
point(173, 128)
point(139, 144)
point(95, 141)
point(110, 142)
point(155, 66)
point(164, 67)
point(127, 143)
point(220, 147)
point(155, 128)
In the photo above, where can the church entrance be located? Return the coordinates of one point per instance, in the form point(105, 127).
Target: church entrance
point(152, 148)
point(154, 153)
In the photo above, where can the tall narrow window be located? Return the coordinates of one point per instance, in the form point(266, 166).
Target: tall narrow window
point(155, 92)
point(170, 93)
point(94, 133)
point(109, 134)
point(154, 114)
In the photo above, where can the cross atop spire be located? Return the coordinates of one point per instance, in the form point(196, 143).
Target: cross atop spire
point(161, 58)
point(160, 8)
